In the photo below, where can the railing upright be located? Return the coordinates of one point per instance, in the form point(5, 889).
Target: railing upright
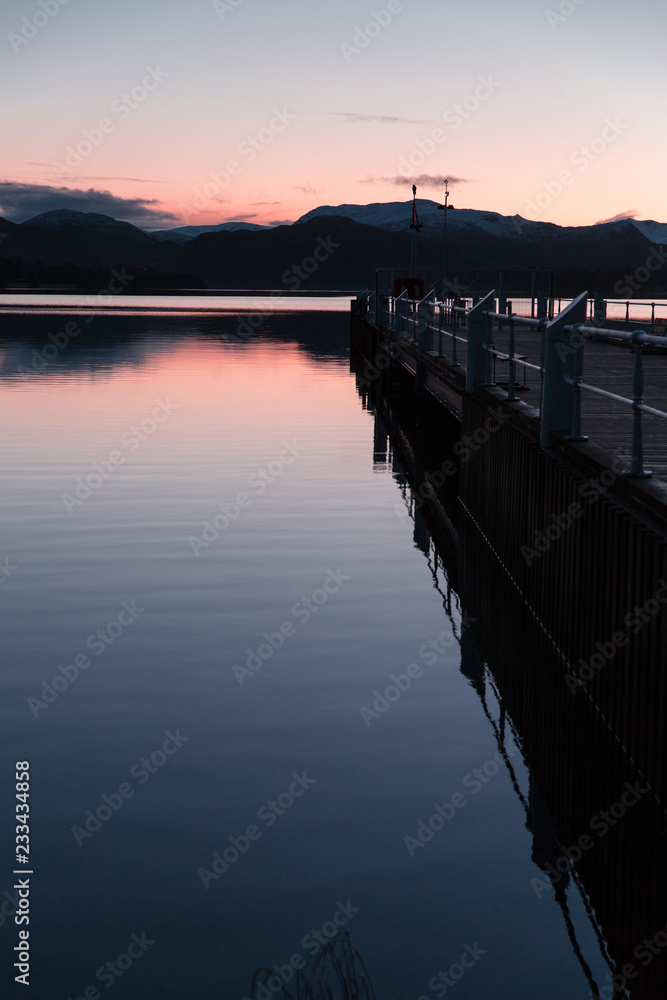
point(511, 393)
point(637, 470)
point(441, 323)
point(424, 309)
point(399, 301)
point(489, 347)
point(476, 360)
point(576, 377)
point(557, 399)
point(455, 326)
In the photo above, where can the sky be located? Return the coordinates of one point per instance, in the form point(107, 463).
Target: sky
point(196, 112)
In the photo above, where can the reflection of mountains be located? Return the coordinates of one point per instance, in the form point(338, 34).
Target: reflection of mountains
point(585, 799)
point(111, 342)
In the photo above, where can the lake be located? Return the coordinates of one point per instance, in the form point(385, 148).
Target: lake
point(235, 665)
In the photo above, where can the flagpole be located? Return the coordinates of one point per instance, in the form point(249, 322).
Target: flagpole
point(446, 207)
point(415, 227)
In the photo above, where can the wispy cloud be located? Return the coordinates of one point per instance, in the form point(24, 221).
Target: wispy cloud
point(281, 222)
point(264, 202)
point(307, 189)
point(135, 180)
point(19, 202)
point(352, 118)
point(93, 177)
point(421, 180)
point(631, 213)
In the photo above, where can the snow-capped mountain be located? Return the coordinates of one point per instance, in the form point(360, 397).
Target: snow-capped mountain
point(656, 232)
point(397, 216)
point(376, 235)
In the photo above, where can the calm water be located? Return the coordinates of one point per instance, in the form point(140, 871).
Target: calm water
point(174, 492)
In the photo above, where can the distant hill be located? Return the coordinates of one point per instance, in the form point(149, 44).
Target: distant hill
point(331, 247)
point(183, 234)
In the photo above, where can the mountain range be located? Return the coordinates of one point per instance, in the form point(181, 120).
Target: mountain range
point(331, 247)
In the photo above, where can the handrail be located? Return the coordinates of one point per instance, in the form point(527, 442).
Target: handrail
point(561, 367)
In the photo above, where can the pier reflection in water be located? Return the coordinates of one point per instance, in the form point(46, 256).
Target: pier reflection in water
point(599, 836)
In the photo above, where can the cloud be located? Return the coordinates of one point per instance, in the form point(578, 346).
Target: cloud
point(94, 177)
point(352, 118)
point(631, 213)
point(19, 202)
point(422, 180)
point(281, 222)
point(135, 180)
point(307, 189)
point(264, 202)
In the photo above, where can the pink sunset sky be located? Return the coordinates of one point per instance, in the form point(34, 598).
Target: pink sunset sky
point(179, 113)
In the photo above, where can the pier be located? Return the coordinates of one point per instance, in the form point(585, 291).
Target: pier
point(555, 464)
point(582, 752)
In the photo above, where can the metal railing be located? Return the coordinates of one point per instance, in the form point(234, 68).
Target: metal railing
point(430, 324)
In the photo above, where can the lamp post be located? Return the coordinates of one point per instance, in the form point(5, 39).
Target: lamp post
point(445, 208)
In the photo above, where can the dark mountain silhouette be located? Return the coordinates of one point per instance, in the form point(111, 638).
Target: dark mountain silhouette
point(324, 251)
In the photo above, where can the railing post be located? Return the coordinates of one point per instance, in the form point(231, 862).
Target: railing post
point(476, 359)
point(543, 353)
point(441, 323)
point(511, 394)
point(637, 470)
point(557, 399)
point(542, 305)
point(398, 313)
point(599, 311)
point(575, 380)
point(455, 326)
point(502, 308)
point(423, 326)
point(488, 347)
